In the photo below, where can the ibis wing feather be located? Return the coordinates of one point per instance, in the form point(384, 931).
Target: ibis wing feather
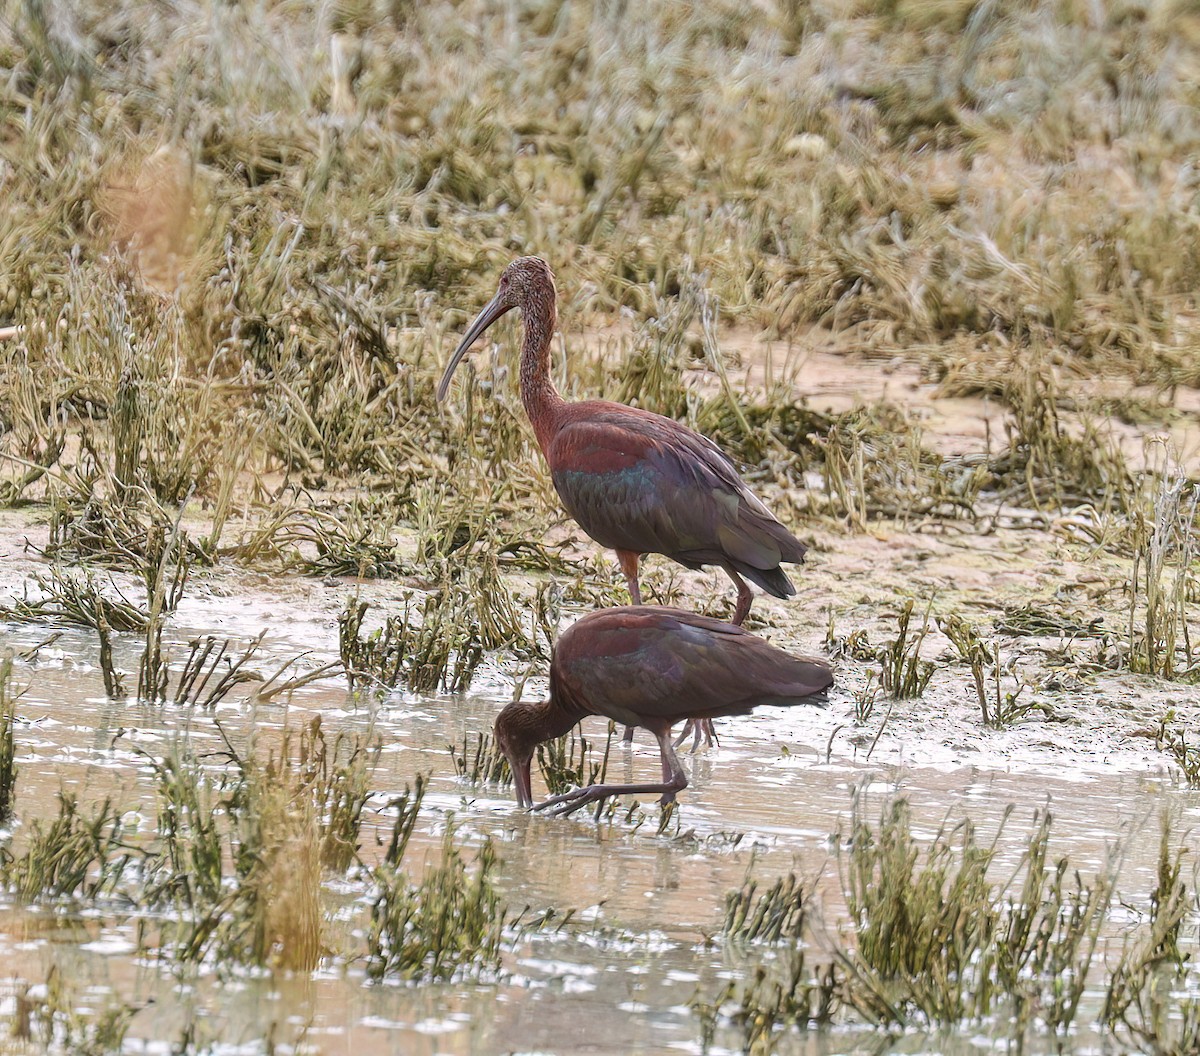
point(640, 482)
point(661, 665)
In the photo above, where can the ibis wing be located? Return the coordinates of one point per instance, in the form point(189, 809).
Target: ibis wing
point(638, 481)
point(664, 665)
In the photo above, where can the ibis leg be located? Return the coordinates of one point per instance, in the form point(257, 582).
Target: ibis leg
point(629, 566)
point(697, 728)
point(689, 729)
point(674, 780)
point(744, 599)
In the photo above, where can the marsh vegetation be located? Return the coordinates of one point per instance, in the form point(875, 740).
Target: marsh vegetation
point(926, 270)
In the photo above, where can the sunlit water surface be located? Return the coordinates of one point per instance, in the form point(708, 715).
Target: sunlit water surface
point(619, 979)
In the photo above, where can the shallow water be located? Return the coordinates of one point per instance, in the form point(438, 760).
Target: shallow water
point(619, 978)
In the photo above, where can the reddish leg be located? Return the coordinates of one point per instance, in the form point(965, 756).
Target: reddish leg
point(629, 566)
point(745, 597)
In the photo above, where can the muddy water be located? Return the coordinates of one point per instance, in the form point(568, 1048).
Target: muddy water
point(618, 980)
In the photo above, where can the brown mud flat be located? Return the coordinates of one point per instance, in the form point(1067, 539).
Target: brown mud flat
point(837, 373)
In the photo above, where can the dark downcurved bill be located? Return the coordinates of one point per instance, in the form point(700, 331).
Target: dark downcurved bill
point(494, 309)
point(522, 785)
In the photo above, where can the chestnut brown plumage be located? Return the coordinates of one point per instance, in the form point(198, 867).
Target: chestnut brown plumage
point(636, 482)
point(653, 667)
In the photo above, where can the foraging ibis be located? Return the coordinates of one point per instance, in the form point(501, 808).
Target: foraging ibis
point(651, 666)
point(636, 482)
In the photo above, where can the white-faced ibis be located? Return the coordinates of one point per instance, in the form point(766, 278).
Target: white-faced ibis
point(636, 482)
point(653, 667)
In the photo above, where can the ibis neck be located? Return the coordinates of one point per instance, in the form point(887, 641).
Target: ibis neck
point(545, 719)
point(538, 394)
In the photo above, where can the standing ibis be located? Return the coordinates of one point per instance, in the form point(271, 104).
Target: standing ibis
point(653, 667)
point(636, 482)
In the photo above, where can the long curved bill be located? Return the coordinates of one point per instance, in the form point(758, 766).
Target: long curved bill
point(522, 785)
point(491, 312)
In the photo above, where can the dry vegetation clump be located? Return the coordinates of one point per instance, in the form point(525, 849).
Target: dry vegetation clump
point(440, 645)
point(234, 863)
point(8, 766)
point(58, 1019)
point(479, 761)
point(77, 855)
point(232, 871)
point(243, 256)
point(939, 934)
point(1163, 583)
point(449, 925)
